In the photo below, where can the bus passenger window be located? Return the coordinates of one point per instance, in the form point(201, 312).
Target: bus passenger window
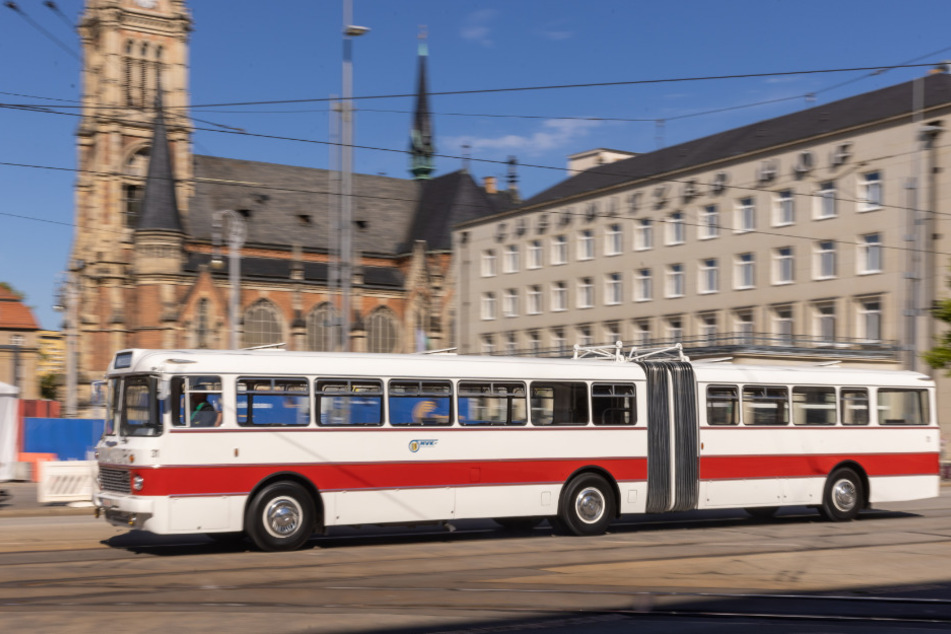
point(722, 405)
point(273, 402)
point(613, 404)
point(559, 403)
point(492, 403)
point(854, 404)
point(420, 403)
point(813, 405)
point(902, 407)
point(349, 402)
point(196, 401)
point(765, 405)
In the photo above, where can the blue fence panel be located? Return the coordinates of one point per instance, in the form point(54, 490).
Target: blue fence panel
point(68, 438)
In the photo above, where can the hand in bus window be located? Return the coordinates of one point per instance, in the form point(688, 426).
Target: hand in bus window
point(203, 413)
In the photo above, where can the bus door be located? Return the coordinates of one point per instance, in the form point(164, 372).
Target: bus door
point(672, 437)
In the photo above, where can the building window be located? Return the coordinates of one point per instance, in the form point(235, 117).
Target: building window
point(584, 335)
point(534, 343)
point(675, 280)
point(709, 276)
point(559, 296)
point(612, 332)
point(785, 208)
point(743, 324)
point(745, 271)
point(488, 344)
point(511, 263)
point(382, 335)
point(825, 321)
point(510, 303)
point(708, 328)
point(644, 236)
point(534, 299)
point(613, 240)
point(709, 222)
point(675, 228)
point(644, 286)
point(783, 324)
point(825, 265)
point(783, 265)
point(613, 289)
point(825, 201)
point(323, 328)
point(585, 293)
point(870, 195)
point(642, 332)
point(585, 244)
point(488, 305)
point(870, 318)
point(870, 256)
point(535, 254)
point(511, 343)
point(488, 263)
point(675, 329)
point(262, 325)
point(745, 215)
point(558, 341)
point(559, 249)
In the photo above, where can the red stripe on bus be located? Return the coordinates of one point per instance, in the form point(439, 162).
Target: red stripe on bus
point(221, 480)
point(785, 466)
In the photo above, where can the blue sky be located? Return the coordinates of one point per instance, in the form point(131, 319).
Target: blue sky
point(252, 51)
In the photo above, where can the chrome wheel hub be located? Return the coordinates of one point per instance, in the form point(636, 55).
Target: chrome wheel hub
point(844, 495)
point(589, 505)
point(282, 517)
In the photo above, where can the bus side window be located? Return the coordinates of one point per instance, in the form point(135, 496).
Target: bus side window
point(492, 403)
point(765, 405)
point(265, 402)
point(196, 401)
point(902, 407)
point(723, 405)
point(349, 402)
point(559, 403)
point(613, 404)
point(420, 402)
point(854, 405)
point(813, 405)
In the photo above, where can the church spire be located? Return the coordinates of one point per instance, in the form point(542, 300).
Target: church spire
point(421, 147)
point(159, 205)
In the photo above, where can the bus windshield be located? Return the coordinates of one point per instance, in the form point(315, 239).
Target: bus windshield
point(138, 408)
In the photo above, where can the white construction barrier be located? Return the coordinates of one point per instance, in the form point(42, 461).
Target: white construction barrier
point(68, 481)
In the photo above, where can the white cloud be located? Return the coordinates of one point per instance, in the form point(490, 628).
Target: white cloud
point(555, 134)
point(476, 28)
point(555, 31)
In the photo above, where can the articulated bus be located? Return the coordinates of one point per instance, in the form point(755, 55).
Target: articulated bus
point(277, 445)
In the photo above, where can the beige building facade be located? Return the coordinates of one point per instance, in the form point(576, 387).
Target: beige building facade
point(820, 235)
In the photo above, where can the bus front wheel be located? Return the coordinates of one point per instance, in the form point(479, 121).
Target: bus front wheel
point(280, 517)
point(843, 496)
point(587, 506)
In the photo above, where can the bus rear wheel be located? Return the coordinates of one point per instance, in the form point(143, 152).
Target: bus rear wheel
point(280, 517)
point(587, 506)
point(843, 496)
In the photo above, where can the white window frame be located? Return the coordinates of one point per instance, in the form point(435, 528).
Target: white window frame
point(870, 253)
point(826, 260)
point(585, 293)
point(744, 326)
point(510, 302)
point(488, 306)
point(559, 249)
point(488, 344)
point(612, 331)
point(824, 321)
point(613, 289)
point(558, 340)
point(744, 271)
point(585, 245)
point(583, 335)
point(644, 235)
point(510, 260)
point(870, 313)
point(708, 327)
point(511, 343)
point(675, 285)
point(559, 296)
point(784, 208)
point(489, 262)
point(784, 324)
point(642, 332)
point(644, 285)
point(535, 255)
point(675, 328)
point(784, 265)
point(745, 221)
point(613, 239)
point(708, 279)
point(710, 222)
point(533, 300)
point(870, 192)
point(676, 232)
point(826, 205)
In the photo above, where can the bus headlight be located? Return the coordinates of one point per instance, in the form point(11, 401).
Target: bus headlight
point(138, 482)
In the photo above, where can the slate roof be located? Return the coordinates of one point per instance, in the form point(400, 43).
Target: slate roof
point(827, 118)
point(287, 205)
point(14, 314)
point(159, 205)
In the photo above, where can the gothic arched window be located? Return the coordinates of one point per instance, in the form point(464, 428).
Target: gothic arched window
point(323, 328)
point(382, 335)
point(262, 325)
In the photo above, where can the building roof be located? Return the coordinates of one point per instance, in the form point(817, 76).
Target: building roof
point(14, 315)
point(799, 126)
point(274, 269)
point(159, 204)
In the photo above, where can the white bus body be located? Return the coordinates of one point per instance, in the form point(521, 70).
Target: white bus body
point(306, 441)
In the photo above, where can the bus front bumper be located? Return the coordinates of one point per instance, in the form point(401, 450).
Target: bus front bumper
point(123, 510)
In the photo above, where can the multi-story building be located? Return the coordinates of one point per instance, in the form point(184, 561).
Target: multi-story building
point(817, 232)
point(19, 350)
point(52, 349)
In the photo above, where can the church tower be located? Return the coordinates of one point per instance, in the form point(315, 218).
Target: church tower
point(421, 146)
point(131, 48)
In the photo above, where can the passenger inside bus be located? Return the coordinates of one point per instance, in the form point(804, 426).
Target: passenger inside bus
point(203, 413)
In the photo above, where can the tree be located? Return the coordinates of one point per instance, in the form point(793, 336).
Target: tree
point(48, 386)
point(939, 357)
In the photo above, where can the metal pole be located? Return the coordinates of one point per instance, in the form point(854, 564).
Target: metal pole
point(72, 317)
point(346, 156)
point(236, 234)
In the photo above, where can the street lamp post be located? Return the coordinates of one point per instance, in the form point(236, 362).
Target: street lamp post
point(68, 303)
point(233, 225)
point(346, 181)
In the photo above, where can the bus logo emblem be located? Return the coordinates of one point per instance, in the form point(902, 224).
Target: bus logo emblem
point(415, 445)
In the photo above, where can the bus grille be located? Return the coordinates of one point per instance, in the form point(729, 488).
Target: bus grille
point(116, 480)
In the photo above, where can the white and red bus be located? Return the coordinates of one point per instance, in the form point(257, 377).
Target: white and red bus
point(279, 445)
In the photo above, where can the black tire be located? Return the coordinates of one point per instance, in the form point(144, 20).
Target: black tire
point(843, 497)
point(762, 512)
point(586, 507)
point(518, 524)
point(280, 517)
